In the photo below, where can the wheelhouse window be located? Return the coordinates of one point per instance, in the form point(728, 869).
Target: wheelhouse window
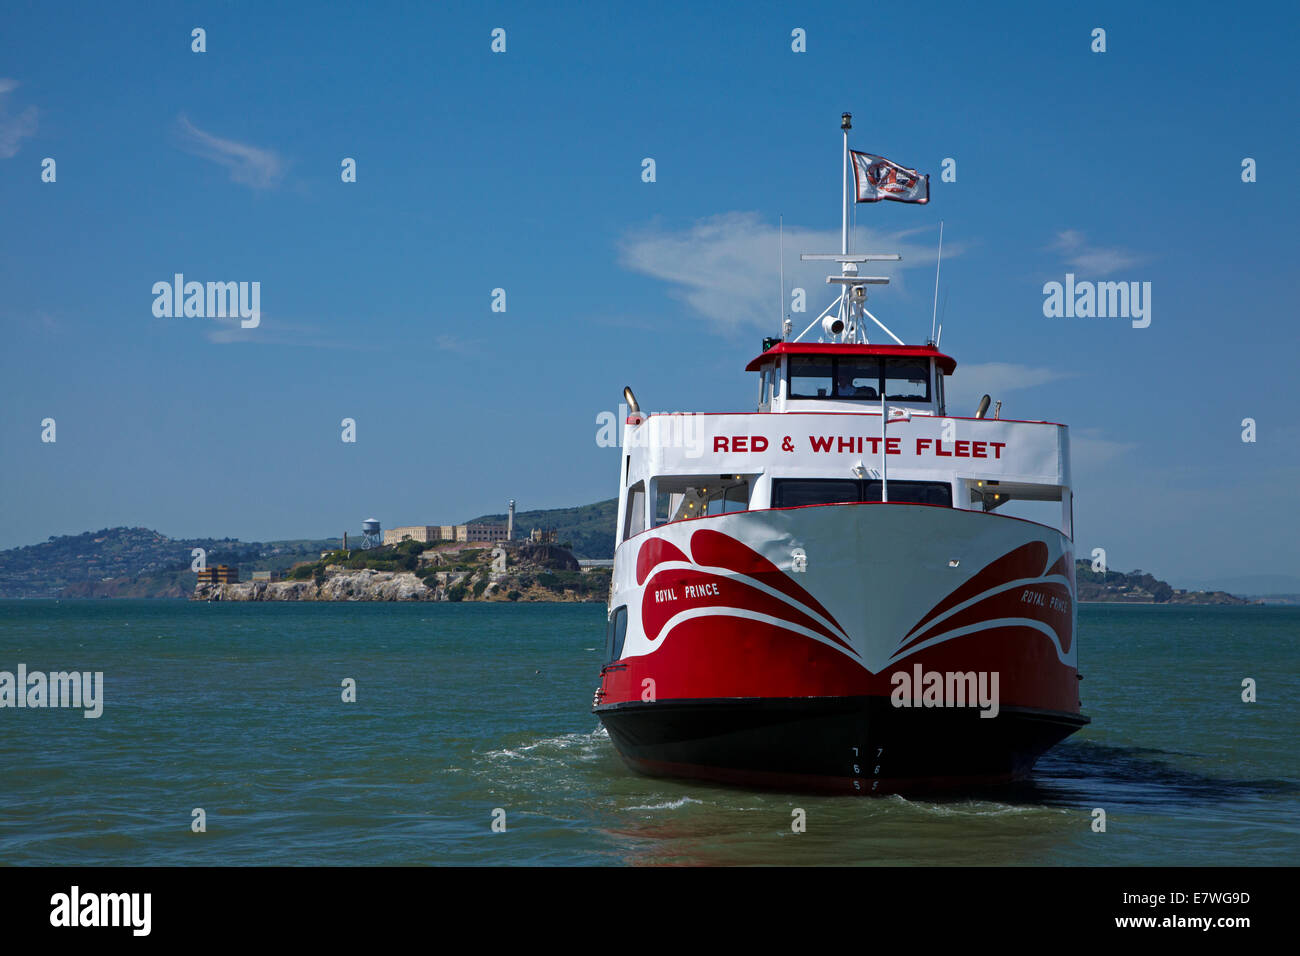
point(857, 378)
point(795, 492)
point(812, 377)
point(907, 380)
point(860, 378)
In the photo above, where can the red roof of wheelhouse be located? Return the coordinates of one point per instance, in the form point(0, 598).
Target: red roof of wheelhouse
point(946, 363)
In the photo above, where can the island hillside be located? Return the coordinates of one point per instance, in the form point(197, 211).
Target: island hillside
point(440, 571)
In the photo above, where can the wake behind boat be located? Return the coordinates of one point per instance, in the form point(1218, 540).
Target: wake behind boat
point(822, 594)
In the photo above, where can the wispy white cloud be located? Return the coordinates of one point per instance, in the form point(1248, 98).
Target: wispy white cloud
point(726, 267)
point(249, 165)
point(229, 331)
point(13, 129)
point(1089, 450)
point(996, 379)
point(1088, 259)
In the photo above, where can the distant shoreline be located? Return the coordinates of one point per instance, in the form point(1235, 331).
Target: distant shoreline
point(1242, 603)
point(191, 600)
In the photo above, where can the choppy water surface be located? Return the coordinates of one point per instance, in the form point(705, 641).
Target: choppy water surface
point(464, 708)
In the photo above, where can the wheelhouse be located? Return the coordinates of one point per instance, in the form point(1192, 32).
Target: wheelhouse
point(816, 377)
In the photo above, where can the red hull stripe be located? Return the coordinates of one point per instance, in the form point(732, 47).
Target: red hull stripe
point(715, 549)
point(1026, 561)
point(1043, 601)
point(653, 552)
point(674, 590)
point(1064, 566)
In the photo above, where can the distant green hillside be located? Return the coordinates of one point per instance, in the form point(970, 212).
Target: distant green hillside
point(1138, 587)
point(588, 528)
point(135, 562)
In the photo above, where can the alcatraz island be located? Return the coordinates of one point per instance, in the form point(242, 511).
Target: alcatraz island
point(477, 561)
point(533, 570)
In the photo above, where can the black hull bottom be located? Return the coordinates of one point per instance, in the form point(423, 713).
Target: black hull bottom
point(847, 745)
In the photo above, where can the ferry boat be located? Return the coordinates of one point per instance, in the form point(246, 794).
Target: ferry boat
point(825, 594)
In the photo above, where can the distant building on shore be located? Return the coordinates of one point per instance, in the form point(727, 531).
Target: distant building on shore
point(542, 536)
point(425, 534)
point(266, 576)
point(221, 574)
point(432, 534)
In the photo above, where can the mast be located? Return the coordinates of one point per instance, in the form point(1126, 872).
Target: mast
point(846, 124)
point(844, 320)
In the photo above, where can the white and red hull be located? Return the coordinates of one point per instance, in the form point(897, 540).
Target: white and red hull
point(762, 647)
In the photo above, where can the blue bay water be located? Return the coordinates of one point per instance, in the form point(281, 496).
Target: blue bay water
point(464, 708)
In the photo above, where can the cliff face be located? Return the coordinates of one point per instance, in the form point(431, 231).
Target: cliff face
point(362, 585)
point(340, 584)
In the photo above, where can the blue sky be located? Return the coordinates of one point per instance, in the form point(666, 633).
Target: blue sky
point(522, 171)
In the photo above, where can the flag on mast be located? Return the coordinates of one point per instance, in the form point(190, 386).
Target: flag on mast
point(877, 178)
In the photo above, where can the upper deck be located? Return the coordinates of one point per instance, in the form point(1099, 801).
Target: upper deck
point(839, 423)
point(692, 465)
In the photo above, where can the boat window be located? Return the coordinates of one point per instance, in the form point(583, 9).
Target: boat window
point(907, 380)
point(794, 492)
point(913, 492)
point(811, 377)
point(762, 386)
point(1051, 505)
point(733, 498)
point(857, 378)
point(616, 633)
point(938, 392)
point(666, 504)
point(694, 496)
point(634, 519)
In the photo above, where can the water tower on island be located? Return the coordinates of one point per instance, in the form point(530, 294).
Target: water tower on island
point(372, 537)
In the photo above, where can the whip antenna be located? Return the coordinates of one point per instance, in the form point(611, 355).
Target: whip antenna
point(934, 315)
point(780, 233)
